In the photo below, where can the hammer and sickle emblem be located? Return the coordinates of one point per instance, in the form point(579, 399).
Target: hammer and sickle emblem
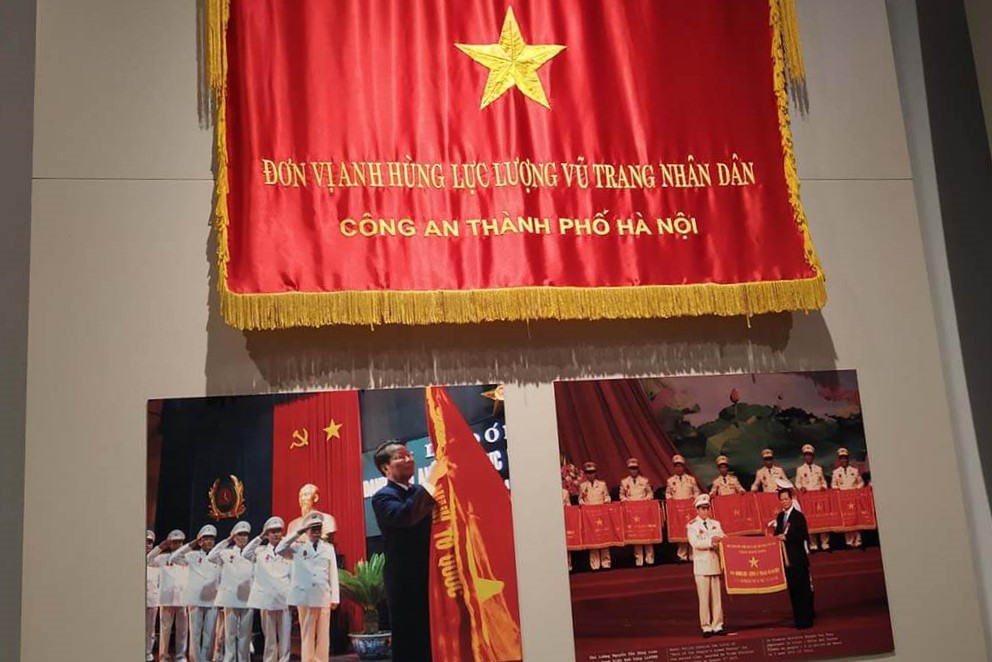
point(302, 438)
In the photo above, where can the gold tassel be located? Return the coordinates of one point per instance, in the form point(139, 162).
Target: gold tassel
point(792, 48)
point(218, 13)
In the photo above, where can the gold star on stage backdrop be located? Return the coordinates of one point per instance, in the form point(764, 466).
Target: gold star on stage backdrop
point(512, 63)
point(333, 430)
point(496, 395)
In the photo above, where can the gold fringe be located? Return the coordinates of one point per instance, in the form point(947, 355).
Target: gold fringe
point(785, 129)
point(280, 310)
point(218, 14)
point(792, 48)
point(316, 309)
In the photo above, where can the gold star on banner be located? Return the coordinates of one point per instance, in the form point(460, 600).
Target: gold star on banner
point(333, 430)
point(496, 395)
point(512, 63)
point(753, 561)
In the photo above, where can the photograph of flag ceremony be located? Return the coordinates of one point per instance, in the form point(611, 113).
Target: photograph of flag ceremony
point(340, 525)
point(721, 517)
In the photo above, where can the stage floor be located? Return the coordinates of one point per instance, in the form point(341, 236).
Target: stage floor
point(656, 608)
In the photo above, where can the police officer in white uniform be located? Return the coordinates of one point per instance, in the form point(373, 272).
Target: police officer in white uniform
point(593, 492)
point(810, 478)
point(172, 584)
point(767, 477)
point(151, 598)
point(847, 477)
point(314, 588)
point(200, 592)
point(270, 590)
point(635, 487)
point(235, 585)
point(726, 484)
point(681, 486)
point(705, 534)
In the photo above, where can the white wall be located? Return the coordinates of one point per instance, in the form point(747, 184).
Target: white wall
point(121, 311)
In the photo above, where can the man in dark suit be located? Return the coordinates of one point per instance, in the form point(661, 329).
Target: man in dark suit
point(791, 529)
point(403, 511)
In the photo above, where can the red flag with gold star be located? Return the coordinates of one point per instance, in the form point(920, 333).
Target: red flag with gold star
point(436, 161)
point(752, 565)
point(317, 464)
point(473, 576)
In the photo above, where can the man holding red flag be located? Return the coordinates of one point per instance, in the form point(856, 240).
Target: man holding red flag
point(403, 511)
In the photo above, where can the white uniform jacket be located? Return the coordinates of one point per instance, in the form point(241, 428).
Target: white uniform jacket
point(705, 557)
point(314, 579)
point(235, 575)
point(204, 577)
point(270, 586)
point(172, 578)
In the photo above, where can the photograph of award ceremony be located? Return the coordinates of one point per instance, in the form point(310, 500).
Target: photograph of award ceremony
point(721, 517)
point(340, 525)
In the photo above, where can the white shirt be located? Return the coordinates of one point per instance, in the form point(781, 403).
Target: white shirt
point(235, 575)
point(270, 586)
point(204, 577)
point(314, 578)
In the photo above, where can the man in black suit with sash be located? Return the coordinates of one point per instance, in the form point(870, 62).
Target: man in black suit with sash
point(404, 512)
point(791, 529)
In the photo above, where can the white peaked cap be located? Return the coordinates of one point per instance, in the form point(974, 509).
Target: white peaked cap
point(273, 523)
point(208, 530)
point(313, 519)
point(176, 534)
point(241, 527)
point(150, 535)
point(702, 500)
point(783, 484)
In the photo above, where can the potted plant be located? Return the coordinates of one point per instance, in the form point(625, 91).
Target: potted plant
point(365, 588)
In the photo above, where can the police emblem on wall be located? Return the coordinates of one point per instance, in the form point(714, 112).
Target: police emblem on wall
point(227, 499)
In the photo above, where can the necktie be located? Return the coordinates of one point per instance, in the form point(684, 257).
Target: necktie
point(315, 546)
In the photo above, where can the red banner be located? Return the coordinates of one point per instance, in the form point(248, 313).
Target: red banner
point(738, 514)
point(473, 583)
point(641, 522)
point(857, 509)
point(602, 526)
point(768, 507)
point(752, 565)
point(822, 510)
point(317, 440)
point(432, 161)
point(678, 513)
point(573, 528)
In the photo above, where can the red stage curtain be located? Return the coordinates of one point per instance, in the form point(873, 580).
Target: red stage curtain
point(738, 514)
point(679, 512)
point(641, 522)
point(609, 421)
point(318, 439)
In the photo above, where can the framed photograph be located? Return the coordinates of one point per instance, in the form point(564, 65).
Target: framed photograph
point(724, 517)
point(338, 525)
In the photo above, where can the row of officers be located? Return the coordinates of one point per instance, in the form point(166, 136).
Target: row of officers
point(198, 589)
point(770, 477)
